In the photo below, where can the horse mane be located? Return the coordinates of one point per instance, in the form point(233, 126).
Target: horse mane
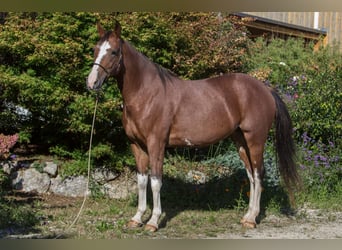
point(164, 74)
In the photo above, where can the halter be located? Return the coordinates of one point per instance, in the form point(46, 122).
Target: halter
point(107, 71)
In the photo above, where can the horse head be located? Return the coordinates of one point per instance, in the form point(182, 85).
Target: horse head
point(107, 57)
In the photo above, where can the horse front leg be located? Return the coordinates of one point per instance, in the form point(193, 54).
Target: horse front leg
point(141, 159)
point(156, 152)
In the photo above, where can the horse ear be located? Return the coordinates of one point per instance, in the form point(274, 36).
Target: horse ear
point(117, 28)
point(100, 29)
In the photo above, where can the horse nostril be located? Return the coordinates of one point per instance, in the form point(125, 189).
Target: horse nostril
point(90, 86)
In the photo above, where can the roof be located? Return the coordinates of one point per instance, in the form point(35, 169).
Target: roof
point(270, 25)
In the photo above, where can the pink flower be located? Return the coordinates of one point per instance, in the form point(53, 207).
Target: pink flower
point(6, 143)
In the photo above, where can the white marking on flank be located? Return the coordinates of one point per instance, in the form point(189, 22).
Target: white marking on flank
point(188, 142)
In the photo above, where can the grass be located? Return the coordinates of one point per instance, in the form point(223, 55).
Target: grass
point(190, 210)
point(103, 218)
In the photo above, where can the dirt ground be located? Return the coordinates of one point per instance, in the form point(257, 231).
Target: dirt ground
point(306, 224)
point(314, 224)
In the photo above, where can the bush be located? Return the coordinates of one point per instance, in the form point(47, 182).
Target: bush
point(320, 163)
point(317, 108)
point(310, 83)
point(193, 45)
point(45, 58)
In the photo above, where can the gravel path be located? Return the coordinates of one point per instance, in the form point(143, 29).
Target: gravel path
point(312, 224)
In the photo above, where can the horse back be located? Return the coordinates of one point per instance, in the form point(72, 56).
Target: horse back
point(211, 109)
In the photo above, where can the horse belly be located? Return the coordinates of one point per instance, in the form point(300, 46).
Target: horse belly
point(203, 131)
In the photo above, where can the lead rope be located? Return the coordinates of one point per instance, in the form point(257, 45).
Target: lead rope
point(88, 176)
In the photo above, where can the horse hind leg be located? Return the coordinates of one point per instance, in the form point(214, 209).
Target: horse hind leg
point(256, 149)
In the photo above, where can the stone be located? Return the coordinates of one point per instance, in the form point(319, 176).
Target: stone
point(7, 168)
point(30, 180)
point(104, 175)
point(119, 189)
point(51, 168)
point(71, 186)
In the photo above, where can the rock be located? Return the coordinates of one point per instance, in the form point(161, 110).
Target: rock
point(7, 168)
point(71, 186)
point(196, 177)
point(50, 168)
point(104, 175)
point(119, 189)
point(30, 180)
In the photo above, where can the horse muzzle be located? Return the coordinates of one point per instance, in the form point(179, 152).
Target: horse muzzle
point(95, 82)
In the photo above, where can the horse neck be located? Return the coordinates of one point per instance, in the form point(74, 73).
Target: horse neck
point(133, 77)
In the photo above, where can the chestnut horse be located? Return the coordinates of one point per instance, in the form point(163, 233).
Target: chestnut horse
point(161, 110)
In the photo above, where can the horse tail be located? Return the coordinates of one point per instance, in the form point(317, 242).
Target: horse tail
point(285, 146)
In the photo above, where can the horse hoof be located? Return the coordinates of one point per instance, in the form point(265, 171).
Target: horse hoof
point(248, 224)
point(133, 224)
point(151, 228)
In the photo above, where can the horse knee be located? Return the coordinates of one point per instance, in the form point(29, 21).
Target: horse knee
point(142, 181)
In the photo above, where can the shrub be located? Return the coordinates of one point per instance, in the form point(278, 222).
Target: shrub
point(320, 163)
point(6, 143)
point(277, 60)
point(317, 108)
point(309, 81)
point(45, 57)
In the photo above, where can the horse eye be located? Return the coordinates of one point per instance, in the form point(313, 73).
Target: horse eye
point(114, 52)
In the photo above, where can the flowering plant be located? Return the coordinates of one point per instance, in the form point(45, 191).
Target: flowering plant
point(6, 143)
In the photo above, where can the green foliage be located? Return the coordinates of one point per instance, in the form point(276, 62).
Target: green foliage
point(277, 60)
point(45, 57)
point(318, 106)
point(320, 165)
point(42, 63)
point(193, 45)
point(309, 81)
point(74, 167)
point(14, 215)
point(24, 137)
point(4, 180)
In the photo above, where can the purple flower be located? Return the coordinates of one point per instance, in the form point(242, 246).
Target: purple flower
point(306, 138)
point(326, 164)
point(316, 160)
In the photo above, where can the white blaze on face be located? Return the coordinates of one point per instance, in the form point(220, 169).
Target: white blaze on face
point(92, 78)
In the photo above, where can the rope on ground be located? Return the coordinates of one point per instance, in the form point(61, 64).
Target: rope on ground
point(88, 176)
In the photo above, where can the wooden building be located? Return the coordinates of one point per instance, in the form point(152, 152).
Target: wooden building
point(319, 27)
